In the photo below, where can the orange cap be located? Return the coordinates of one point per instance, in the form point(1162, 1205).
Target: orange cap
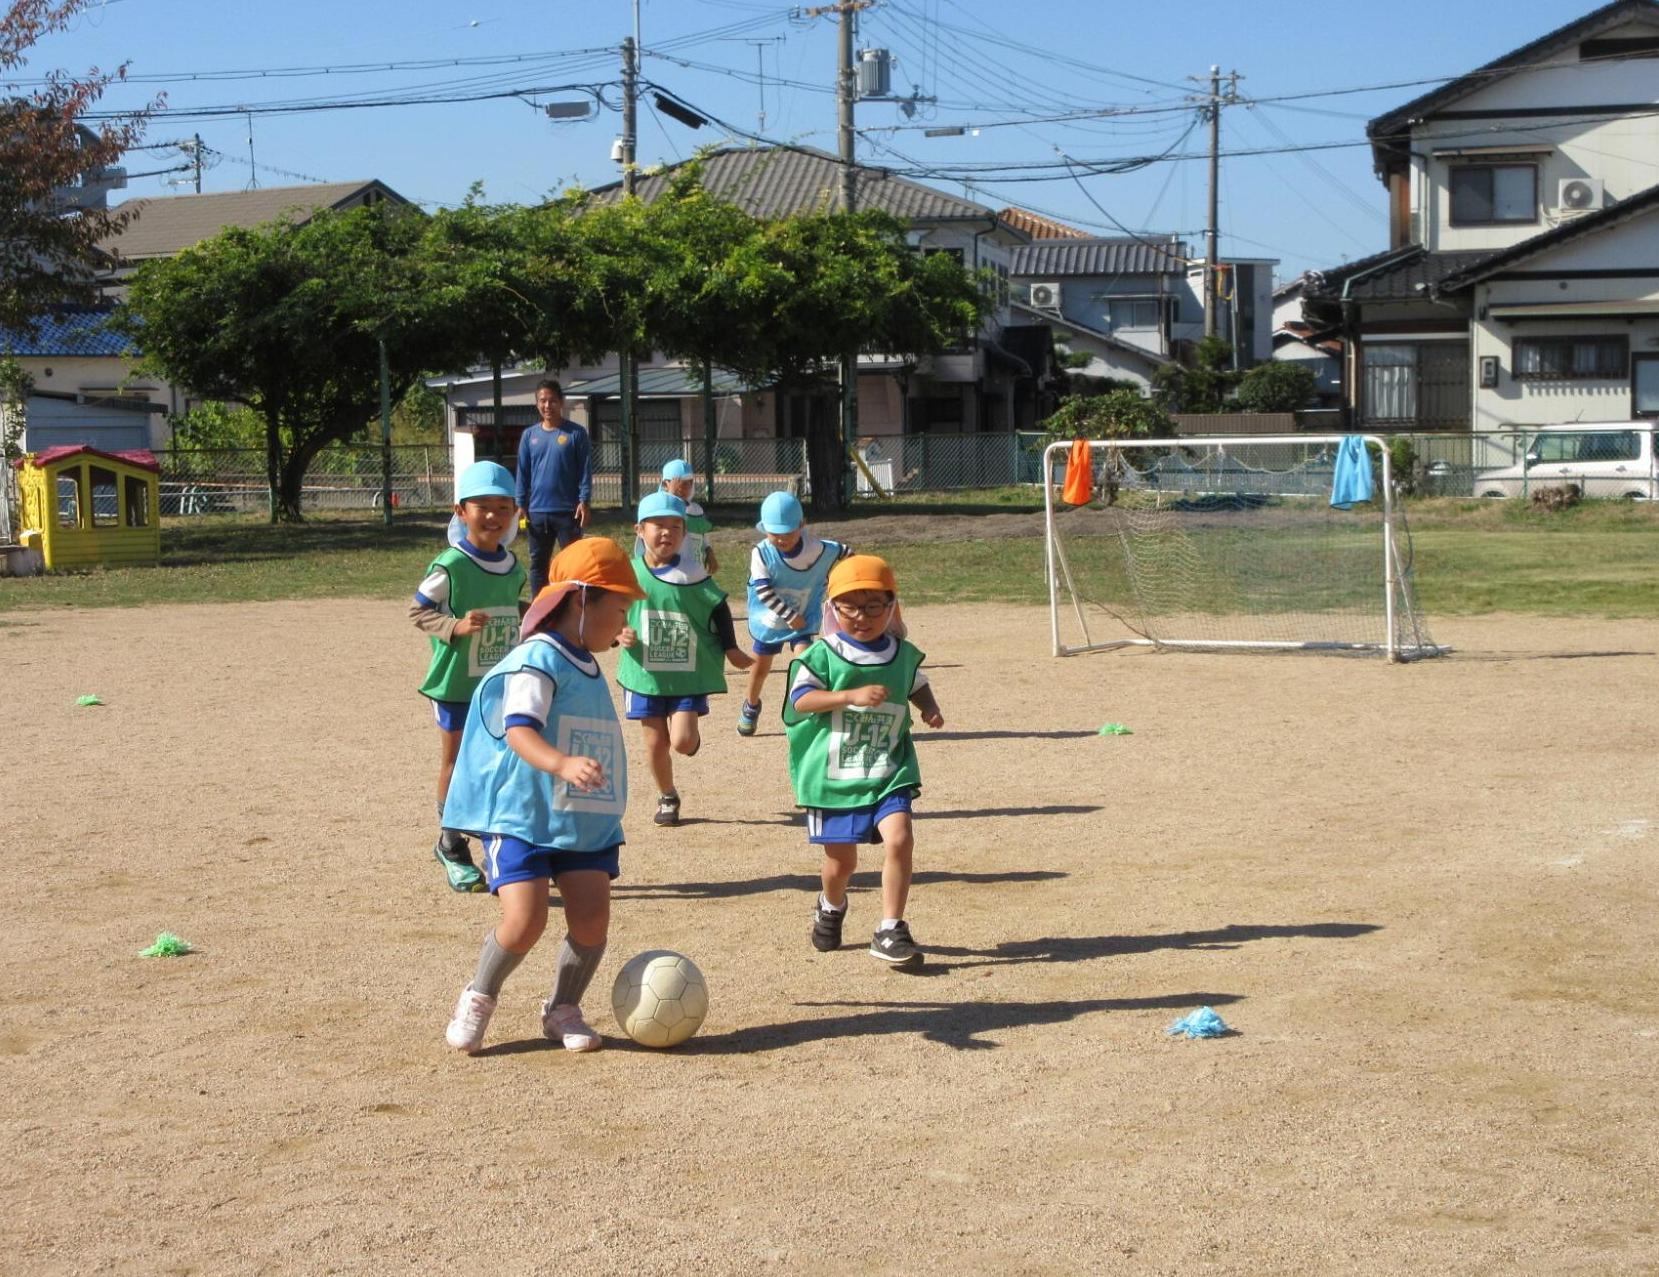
point(861, 572)
point(594, 562)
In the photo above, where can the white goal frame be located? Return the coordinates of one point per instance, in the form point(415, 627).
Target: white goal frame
point(1059, 571)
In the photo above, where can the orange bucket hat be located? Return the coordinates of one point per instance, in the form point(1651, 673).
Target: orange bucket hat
point(594, 563)
point(861, 572)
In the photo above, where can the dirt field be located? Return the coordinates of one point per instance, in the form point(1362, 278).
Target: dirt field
point(1423, 896)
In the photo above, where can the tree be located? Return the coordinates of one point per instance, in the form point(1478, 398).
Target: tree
point(1276, 386)
point(288, 319)
point(1204, 386)
point(1117, 414)
point(47, 257)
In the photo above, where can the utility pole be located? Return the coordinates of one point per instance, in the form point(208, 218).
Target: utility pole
point(846, 94)
point(196, 156)
point(1212, 230)
point(628, 369)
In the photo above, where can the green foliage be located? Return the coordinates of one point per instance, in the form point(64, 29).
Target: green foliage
point(214, 424)
point(1205, 385)
point(15, 384)
point(48, 259)
point(1276, 386)
point(1118, 414)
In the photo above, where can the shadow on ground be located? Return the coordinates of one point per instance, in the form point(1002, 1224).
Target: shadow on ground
point(864, 881)
point(1088, 948)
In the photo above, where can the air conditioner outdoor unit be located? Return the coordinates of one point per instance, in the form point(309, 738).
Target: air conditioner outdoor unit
point(1579, 194)
point(1046, 295)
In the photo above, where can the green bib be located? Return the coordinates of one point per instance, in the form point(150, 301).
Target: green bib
point(677, 653)
point(853, 757)
point(457, 666)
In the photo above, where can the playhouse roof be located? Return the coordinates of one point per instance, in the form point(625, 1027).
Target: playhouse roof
point(140, 457)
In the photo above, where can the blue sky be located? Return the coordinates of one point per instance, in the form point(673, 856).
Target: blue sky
point(999, 66)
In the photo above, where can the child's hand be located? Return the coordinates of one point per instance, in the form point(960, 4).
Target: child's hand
point(628, 637)
point(740, 659)
point(933, 718)
point(867, 697)
point(580, 772)
point(796, 622)
point(472, 622)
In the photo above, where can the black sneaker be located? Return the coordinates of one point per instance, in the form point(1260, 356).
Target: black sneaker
point(826, 928)
point(894, 946)
point(668, 809)
point(454, 853)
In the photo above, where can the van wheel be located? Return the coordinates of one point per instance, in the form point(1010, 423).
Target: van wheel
point(1635, 496)
point(1490, 495)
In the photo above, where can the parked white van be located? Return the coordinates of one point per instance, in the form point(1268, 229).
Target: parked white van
point(1605, 459)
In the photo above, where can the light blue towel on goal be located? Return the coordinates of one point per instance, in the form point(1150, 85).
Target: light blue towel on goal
point(1352, 480)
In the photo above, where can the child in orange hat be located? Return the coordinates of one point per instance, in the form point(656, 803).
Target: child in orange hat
point(542, 780)
point(851, 760)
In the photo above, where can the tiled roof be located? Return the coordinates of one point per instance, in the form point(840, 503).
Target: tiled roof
point(162, 227)
point(781, 181)
point(67, 333)
point(1039, 227)
point(1056, 257)
point(1400, 274)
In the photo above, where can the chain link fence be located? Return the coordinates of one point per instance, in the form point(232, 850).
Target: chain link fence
point(1615, 461)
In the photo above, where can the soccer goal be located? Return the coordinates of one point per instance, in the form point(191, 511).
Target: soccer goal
point(1229, 543)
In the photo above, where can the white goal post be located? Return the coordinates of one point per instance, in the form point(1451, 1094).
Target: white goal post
point(1229, 542)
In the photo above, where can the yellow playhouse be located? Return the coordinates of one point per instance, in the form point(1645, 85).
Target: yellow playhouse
point(83, 507)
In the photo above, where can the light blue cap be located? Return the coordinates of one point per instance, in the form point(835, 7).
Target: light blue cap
point(780, 513)
point(484, 479)
point(679, 468)
point(660, 505)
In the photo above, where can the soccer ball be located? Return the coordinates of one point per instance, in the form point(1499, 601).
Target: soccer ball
point(659, 998)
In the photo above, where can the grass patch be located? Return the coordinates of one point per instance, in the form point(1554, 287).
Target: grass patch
point(1599, 558)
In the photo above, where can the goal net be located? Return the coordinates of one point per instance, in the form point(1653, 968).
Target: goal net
point(1229, 543)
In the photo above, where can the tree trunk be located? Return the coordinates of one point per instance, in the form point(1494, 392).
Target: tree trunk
point(273, 460)
point(825, 456)
point(299, 460)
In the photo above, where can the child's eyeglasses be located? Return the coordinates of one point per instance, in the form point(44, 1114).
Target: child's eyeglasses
point(870, 610)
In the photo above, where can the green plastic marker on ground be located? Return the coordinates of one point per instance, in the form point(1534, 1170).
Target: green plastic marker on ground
point(167, 945)
point(88, 700)
point(1115, 729)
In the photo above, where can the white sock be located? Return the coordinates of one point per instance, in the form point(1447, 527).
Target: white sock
point(827, 907)
point(887, 923)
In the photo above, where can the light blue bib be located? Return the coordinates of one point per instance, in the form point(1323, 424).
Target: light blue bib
point(801, 588)
point(494, 791)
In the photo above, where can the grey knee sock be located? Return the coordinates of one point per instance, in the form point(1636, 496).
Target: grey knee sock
point(495, 964)
point(577, 963)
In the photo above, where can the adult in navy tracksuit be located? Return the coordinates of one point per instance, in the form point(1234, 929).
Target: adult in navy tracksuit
point(555, 481)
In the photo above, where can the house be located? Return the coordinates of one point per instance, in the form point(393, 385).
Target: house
point(81, 391)
point(1299, 342)
point(1520, 285)
point(1143, 295)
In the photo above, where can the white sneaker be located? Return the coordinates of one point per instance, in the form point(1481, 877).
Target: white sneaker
point(471, 1018)
point(564, 1023)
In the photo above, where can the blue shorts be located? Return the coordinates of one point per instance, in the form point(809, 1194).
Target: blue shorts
point(761, 647)
point(451, 715)
point(638, 705)
point(508, 859)
point(854, 824)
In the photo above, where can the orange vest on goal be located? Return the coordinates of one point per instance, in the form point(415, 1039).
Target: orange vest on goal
point(1079, 484)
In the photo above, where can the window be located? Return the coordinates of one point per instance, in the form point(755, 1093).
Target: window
point(1486, 194)
point(1570, 358)
point(1390, 383)
point(138, 503)
point(69, 498)
point(1132, 312)
point(105, 512)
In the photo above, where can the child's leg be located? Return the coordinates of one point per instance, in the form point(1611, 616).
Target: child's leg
point(656, 753)
point(587, 898)
point(684, 733)
point(757, 677)
point(898, 840)
point(523, 918)
point(840, 860)
point(449, 748)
